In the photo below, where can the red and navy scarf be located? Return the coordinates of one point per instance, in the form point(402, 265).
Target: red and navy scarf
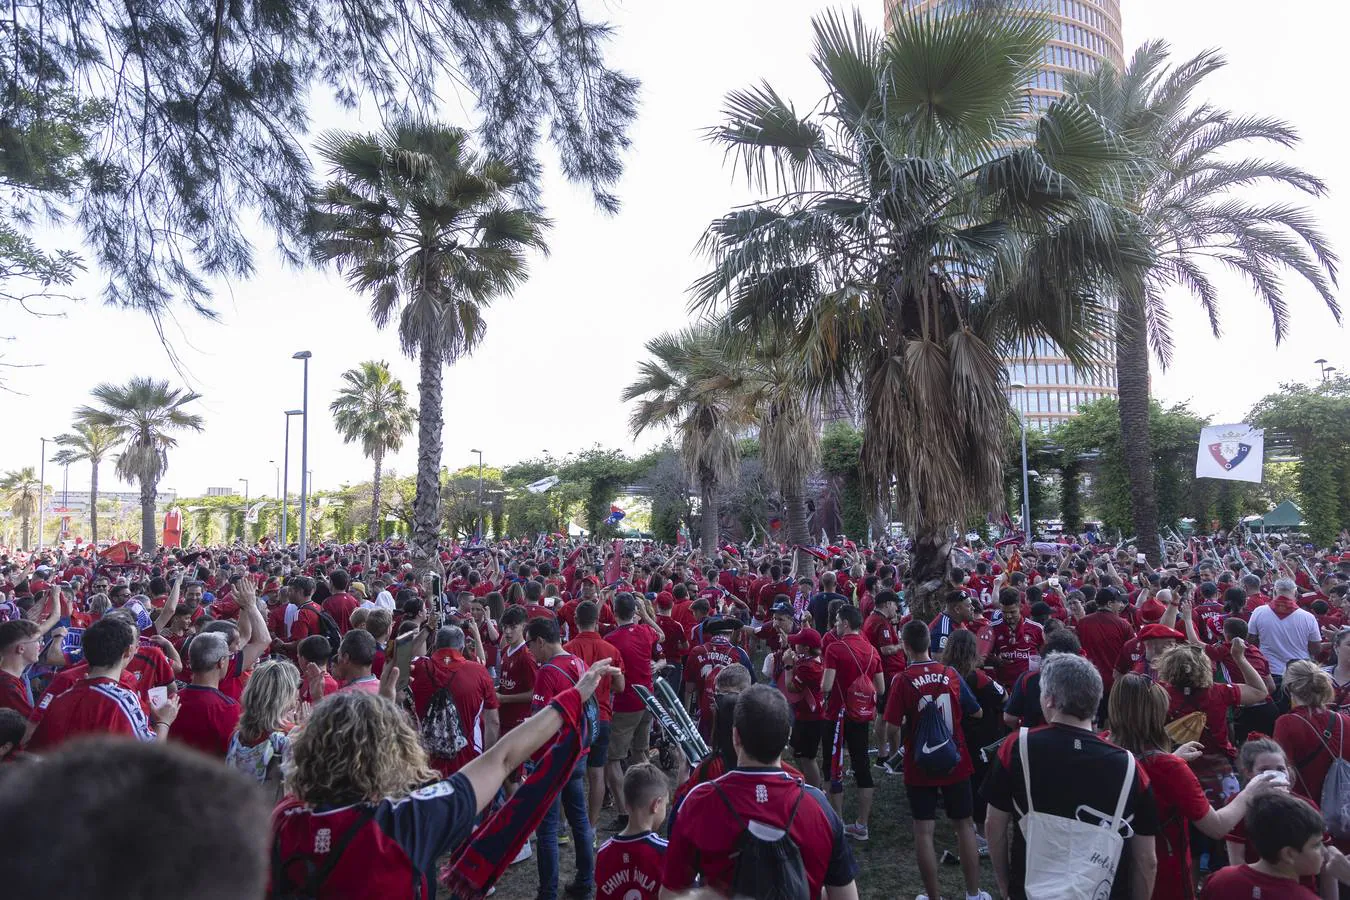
point(499, 838)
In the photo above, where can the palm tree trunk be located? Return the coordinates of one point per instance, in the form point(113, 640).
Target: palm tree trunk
point(93, 505)
point(929, 573)
point(375, 498)
point(148, 542)
point(430, 421)
point(708, 529)
point(1132, 381)
point(27, 532)
point(794, 504)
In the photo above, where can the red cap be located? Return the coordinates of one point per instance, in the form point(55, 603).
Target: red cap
point(807, 637)
point(1160, 633)
point(1152, 609)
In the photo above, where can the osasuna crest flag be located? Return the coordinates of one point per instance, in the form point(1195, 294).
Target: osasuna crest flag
point(1231, 452)
point(251, 517)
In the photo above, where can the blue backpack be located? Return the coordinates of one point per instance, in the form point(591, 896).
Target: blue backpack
point(935, 750)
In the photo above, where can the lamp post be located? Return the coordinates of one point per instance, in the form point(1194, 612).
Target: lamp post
point(286, 473)
point(1026, 480)
point(304, 355)
point(42, 487)
point(276, 474)
point(480, 492)
point(245, 481)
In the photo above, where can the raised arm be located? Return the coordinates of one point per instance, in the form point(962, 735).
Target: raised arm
point(259, 639)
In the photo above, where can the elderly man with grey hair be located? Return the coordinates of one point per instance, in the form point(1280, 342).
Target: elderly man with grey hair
point(446, 679)
point(1072, 774)
point(1285, 631)
point(206, 717)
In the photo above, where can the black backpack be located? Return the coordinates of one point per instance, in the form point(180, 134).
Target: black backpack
point(315, 875)
point(768, 869)
point(440, 729)
point(328, 626)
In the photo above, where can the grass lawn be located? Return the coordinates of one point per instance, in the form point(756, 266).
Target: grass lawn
point(886, 866)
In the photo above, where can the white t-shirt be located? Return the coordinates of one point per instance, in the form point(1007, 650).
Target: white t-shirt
point(385, 600)
point(1284, 640)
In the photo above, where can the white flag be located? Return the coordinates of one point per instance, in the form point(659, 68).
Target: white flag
point(543, 484)
point(251, 517)
point(1231, 452)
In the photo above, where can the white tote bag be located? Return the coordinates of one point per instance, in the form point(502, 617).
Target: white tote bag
point(1069, 859)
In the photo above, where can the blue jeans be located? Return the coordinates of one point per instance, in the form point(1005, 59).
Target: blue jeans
point(572, 798)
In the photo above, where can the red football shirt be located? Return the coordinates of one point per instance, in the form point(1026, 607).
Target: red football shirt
point(1103, 634)
point(93, 706)
point(1214, 701)
point(918, 685)
point(151, 669)
point(850, 656)
point(68, 678)
point(628, 867)
point(306, 622)
point(16, 694)
point(590, 648)
point(516, 677)
point(704, 834)
point(341, 606)
point(469, 685)
point(553, 678)
point(1181, 801)
point(638, 643)
point(1245, 883)
point(1013, 649)
point(206, 719)
point(807, 703)
point(881, 633)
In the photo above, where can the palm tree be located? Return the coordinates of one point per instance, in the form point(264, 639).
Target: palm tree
point(1189, 217)
point(22, 493)
point(143, 414)
point(92, 443)
point(767, 383)
point(433, 232)
point(919, 224)
point(671, 394)
point(372, 407)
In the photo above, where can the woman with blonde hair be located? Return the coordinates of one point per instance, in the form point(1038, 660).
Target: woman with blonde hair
point(1197, 709)
point(1311, 733)
point(261, 741)
point(1137, 711)
point(366, 815)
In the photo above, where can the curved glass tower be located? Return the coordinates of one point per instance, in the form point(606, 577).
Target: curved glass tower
point(1084, 34)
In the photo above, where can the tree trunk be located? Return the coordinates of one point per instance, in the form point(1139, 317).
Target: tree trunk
point(794, 504)
point(929, 570)
point(375, 498)
point(93, 506)
point(1132, 381)
point(430, 420)
point(27, 532)
point(708, 529)
point(148, 542)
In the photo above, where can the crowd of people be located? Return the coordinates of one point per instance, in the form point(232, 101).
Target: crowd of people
point(1092, 725)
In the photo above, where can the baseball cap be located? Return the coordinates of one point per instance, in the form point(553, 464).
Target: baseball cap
point(782, 609)
point(807, 637)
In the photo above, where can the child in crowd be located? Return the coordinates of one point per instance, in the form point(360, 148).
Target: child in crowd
point(1287, 833)
point(629, 864)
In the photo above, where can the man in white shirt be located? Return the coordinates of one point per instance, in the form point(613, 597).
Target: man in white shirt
point(1286, 632)
point(384, 599)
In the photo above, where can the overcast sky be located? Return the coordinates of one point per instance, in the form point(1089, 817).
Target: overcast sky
point(557, 353)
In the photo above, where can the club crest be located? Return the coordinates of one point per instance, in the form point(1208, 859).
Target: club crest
point(1229, 454)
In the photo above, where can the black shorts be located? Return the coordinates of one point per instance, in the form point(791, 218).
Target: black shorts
point(957, 799)
point(810, 738)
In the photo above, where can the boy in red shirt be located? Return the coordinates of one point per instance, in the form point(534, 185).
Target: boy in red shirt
point(924, 682)
point(628, 866)
point(515, 681)
point(1287, 832)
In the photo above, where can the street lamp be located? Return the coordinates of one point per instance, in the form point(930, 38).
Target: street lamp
point(286, 473)
point(1026, 490)
point(304, 456)
point(42, 486)
point(480, 492)
point(245, 481)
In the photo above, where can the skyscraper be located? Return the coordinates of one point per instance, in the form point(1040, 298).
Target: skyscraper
point(1084, 34)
